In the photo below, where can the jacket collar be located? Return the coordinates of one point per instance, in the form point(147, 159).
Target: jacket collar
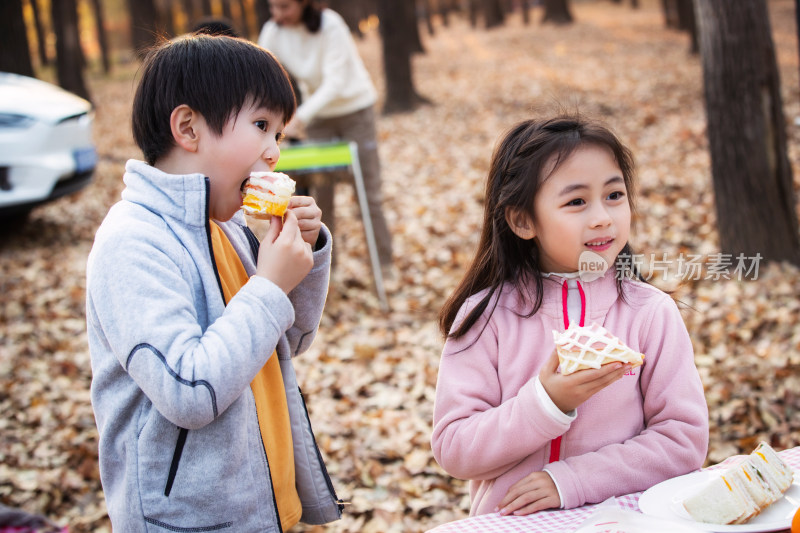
point(600, 295)
point(181, 197)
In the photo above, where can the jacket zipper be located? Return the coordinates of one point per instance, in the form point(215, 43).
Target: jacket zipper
point(176, 458)
point(269, 473)
point(222, 295)
point(555, 444)
point(328, 482)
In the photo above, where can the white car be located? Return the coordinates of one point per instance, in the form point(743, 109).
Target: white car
point(46, 146)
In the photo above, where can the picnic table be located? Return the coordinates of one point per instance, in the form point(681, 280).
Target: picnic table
point(568, 520)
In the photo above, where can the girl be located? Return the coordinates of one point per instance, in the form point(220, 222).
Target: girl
point(525, 436)
point(338, 97)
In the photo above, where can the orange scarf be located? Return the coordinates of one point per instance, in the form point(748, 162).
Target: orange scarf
point(269, 393)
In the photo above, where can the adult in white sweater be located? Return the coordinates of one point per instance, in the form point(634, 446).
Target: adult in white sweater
point(337, 95)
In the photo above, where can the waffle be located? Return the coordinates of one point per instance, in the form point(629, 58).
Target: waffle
point(591, 347)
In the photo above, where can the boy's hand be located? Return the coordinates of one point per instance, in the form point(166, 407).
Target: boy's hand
point(284, 257)
point(309, 217)
point(534, 492)
point(568, 392)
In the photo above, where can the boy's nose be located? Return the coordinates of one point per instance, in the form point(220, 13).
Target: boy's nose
point(271, 156)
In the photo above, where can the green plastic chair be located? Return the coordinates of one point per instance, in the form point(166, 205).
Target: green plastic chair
point(321, 157)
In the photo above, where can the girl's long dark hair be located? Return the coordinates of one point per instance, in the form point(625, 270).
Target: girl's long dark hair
point(525, 157)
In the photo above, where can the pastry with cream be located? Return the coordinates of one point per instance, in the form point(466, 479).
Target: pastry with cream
point(265, 194)
point(581, 347)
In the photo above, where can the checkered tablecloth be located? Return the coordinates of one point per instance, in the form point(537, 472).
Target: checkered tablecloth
point(562, 521)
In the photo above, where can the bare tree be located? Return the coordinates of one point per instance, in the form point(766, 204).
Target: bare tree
point(526, 14)
point(687, 21)
point(262, 12)
point(412, 23)
point(397, 50)
point(427, 11)
point(144, 17)
point(755, 200)
point(493, 13)
point(557, 12)
point(166, 19)
point(245, 20)
point(15, 55)
point(192, 13)
point(226, 9)
point(205, 8)
point(41, 33)
point(69, 56)
point(102, 39)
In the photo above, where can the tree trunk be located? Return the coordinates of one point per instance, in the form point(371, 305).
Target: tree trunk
point(191, 12)
point(102, 39)
point(472, 7)
point(444, 12)
point(670, 10)
point(526, 13)
point(206, 9)
point(262, 12)
point(412, 25)
point(226, 10)
point(15, 55)
point(166, 19)
point(557, 12)
point(244, 20)
point(400, 93)
point(493, 13)
point(69, 56)
point(687, 21)
point(755, 201)
point(428, 12)
point(351, 13)
point(143, 25)
point(41, 35)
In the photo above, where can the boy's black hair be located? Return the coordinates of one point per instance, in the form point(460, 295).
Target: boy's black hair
point(214, 75)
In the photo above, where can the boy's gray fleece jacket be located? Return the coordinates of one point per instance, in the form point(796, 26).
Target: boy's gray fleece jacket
point(180, 446)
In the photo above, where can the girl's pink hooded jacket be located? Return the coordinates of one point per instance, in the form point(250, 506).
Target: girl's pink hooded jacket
point(491, 428)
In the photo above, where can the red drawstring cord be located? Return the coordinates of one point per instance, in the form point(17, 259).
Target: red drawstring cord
point(555, 444)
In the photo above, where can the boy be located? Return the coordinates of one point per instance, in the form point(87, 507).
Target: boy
point(191, 326)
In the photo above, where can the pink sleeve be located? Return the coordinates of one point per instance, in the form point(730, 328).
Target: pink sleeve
point(675, 439)
point(477, 435)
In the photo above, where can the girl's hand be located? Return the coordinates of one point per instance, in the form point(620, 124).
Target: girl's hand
point(534, 492)
point(284, 257)
point(568, 392)
point(309, 217)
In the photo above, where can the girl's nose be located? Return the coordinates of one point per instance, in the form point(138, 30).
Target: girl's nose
point(600, 217)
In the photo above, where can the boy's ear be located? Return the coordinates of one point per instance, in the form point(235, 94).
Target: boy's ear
point(184, 123)
point(520, 223)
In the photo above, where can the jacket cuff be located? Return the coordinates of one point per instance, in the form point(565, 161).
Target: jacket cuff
point(272, 299)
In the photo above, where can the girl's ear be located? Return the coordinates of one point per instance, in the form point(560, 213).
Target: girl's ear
point(184, 123)
point(520, 223)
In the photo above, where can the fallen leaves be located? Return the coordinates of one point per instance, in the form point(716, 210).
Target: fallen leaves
point(370, 377)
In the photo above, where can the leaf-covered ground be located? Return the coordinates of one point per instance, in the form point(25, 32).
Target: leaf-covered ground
point(370, 375)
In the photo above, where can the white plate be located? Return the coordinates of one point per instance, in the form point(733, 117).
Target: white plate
point(664, 501)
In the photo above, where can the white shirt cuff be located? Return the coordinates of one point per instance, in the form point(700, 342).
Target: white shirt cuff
point(552, 409)
point(560, 499)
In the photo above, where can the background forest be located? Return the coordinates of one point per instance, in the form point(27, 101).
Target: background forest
point(370, 376)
